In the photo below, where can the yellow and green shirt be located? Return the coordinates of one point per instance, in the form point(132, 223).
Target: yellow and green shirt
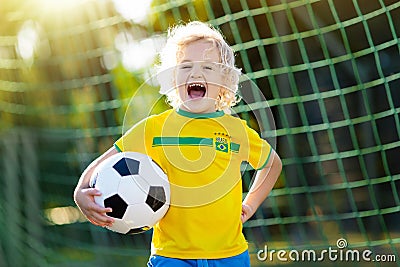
point(201, 155)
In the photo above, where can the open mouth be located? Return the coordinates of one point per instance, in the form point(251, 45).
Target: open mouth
point(196, 90)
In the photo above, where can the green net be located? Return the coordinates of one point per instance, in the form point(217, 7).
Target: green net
point(329, 71)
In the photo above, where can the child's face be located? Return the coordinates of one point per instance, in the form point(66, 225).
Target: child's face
point(198, 77)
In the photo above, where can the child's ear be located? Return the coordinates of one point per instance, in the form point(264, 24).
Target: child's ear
point(220, 98)
point(222, 91)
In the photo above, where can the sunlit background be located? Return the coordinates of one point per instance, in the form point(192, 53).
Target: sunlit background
point(136, 50)
point(329, 69)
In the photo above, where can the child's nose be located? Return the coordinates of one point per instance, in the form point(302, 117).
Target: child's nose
point(196, 71)
point(196, 75)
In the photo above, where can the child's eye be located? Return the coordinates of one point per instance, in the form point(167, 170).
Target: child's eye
point(185, 67)
point(208, 67)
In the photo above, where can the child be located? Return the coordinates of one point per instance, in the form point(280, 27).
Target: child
point(200, 148)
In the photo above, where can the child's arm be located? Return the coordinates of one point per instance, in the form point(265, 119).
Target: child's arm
point(84, 195)
point(262, 186)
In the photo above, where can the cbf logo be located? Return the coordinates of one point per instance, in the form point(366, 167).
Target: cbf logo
point(222, 142)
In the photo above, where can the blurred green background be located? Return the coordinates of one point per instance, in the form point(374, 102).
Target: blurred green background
point(330, 73)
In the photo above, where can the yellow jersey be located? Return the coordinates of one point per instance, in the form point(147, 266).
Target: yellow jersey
point(201, 155)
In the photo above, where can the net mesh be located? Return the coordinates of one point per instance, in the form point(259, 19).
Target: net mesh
point(330, 71)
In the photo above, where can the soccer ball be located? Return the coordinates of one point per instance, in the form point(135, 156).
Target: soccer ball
point(136, 189)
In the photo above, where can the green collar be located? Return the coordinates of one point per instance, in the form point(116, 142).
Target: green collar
point(188, 114)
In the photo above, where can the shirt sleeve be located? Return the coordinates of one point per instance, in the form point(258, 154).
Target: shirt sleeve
point(259, 150)
point(135, 139)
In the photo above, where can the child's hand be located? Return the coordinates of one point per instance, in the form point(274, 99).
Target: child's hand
point(96, 214)
point(247, 212)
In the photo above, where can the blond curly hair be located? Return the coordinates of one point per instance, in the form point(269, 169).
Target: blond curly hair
point(182, 35)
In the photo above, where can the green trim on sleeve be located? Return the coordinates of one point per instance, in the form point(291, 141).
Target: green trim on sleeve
point(265, 163)
point(117, 147)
